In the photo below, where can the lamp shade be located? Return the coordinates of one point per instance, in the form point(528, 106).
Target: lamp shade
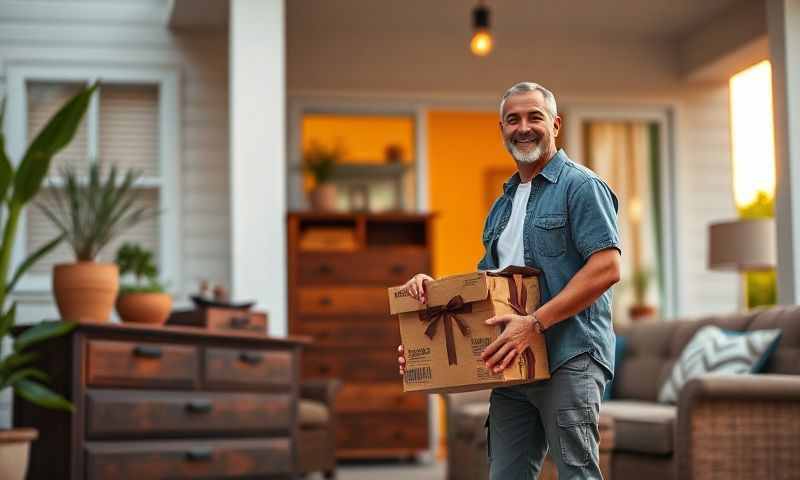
point(742, 245)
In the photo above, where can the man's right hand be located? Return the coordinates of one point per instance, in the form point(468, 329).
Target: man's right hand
point(416, 287)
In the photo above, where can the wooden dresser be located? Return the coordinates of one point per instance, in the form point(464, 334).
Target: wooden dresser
point(337, 295)
point(170, 402)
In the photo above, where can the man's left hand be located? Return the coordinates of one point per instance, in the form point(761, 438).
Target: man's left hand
point(512, 342)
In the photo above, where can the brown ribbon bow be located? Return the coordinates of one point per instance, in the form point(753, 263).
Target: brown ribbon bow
point(447, 313)
point(517, 302)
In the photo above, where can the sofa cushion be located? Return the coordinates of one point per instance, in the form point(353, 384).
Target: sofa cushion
point(786, 359)
point(312, 414)
point(646, 361)
point(712, 350)
point(644, 427)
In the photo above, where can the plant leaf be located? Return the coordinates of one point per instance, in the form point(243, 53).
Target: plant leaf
point(41, 332)
point(57, 134)
point(7, 320)
point(27, 373)
point(38, 394)
point(33, 258)
point(16, 360)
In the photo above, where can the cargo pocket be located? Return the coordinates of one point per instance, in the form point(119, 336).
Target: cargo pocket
point(550, 235)
point(488, 439)
point(575, 425)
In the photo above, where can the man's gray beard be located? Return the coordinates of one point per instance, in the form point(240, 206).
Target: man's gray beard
point(522, 157)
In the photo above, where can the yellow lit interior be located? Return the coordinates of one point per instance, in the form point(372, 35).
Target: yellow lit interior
point(363, 138)
point(752, 140)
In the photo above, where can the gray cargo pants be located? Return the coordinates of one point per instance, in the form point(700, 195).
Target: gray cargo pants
point(561, 413)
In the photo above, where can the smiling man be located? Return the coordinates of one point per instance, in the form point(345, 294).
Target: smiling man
point(561, 218)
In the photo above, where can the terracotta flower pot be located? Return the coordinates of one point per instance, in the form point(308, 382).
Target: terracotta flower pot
point(152, 308)
point(323, 197)
point(14, 449)
point(85, 291)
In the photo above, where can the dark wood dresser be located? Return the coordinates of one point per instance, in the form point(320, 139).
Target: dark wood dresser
point(168, 402)
point(340, 266)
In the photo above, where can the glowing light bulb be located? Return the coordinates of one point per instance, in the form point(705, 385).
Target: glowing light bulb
point(481, 44)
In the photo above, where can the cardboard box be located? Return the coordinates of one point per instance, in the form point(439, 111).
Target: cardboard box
point(443, 340)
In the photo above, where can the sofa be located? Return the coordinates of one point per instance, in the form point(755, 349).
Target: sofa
point(722, 427)
point(316, 437)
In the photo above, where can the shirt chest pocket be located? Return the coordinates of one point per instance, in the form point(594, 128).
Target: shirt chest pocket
point(549, 235)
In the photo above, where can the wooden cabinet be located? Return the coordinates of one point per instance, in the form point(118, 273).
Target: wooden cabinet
point(340, 266)
point(167, 402)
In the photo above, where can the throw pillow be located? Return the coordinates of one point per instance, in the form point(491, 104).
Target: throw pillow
point(619, 351)
point(712, 350)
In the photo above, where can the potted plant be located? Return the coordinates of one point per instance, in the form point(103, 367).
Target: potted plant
point(144, 300)
point(17, 188)
point(91, 212)
point(641, 310)
point(321, 162)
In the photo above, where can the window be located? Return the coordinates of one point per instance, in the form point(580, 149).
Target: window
point(132, 122)
point(127, 136)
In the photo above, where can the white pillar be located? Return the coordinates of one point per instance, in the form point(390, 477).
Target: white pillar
point(258, 156)
point(783, 24)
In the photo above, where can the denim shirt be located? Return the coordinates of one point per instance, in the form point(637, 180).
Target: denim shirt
point(571, 214)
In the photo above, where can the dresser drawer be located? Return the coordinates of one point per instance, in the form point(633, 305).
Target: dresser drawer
point(330, 332)
point(188, 459)
point(351, 364)
point(142, 413)
point(381, 266)
point(249, 368)
point(143, 364)
point(379, 397)
point(343, 301)
point(407, 431)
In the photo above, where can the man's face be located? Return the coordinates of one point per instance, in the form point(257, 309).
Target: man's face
point(528, 130)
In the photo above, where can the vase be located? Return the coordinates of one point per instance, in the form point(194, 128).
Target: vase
point(85, 291)
point(323, 197)
point(144, 307)
point(15, 445)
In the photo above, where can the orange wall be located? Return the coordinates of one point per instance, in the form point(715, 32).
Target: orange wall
point(363, 137)
point(463, 149)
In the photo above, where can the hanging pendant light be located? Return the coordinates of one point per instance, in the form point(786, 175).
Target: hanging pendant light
point(481, 43)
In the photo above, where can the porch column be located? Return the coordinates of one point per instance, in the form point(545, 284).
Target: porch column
point(783, 25)
point(258, 156)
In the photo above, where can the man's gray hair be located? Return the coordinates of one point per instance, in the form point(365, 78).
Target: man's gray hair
point(523, 87)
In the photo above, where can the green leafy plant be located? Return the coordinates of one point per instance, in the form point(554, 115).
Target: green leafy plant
point(17, 188)
point(92, 212)
point(134, 260)
point(321, 161)
point(641, 283)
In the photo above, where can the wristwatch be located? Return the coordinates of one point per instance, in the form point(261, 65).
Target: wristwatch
point(537, 325)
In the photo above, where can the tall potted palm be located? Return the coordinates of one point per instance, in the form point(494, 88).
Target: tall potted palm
point(18, 186)
point(90, 212)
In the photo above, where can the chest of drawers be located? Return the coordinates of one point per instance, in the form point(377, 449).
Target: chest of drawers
point(170, 402)
point(339, 299)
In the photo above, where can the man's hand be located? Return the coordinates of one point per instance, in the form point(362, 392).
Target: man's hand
point(512, 342)
point(401, 360)
point(416, 287)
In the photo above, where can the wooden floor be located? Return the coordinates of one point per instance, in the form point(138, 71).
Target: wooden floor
point(388, 471)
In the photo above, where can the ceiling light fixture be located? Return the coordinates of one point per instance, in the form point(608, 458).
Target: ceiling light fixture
point(481, 43)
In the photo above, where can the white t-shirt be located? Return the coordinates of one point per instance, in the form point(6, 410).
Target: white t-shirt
point(510, 248)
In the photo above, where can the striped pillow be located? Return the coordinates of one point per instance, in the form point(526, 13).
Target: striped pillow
point(713, 350)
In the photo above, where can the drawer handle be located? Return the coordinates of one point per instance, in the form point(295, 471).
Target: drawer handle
point(325, 269)
point(325, 301)
point(239, 322)
point(324, 369)
point(398, 435)
point(147, 351)
point(199, 406)
point(398, 269)
point(251, 358)
point(199, 454)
